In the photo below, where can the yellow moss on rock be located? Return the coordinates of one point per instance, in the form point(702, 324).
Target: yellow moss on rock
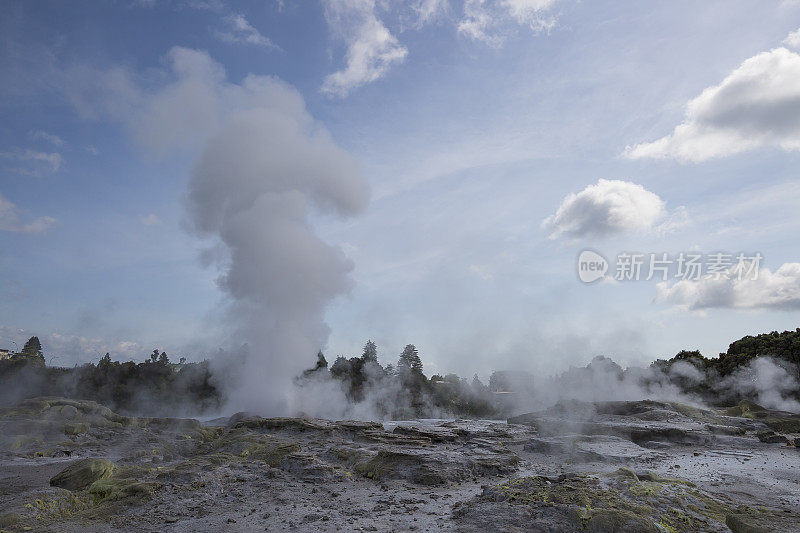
point(83, 473)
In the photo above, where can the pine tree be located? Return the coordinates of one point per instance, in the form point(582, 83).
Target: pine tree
point(370, 352)
point(32, 352)
point(409, 360)
point(32, 348)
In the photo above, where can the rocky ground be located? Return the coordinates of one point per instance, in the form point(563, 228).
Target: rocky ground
point(70, 465)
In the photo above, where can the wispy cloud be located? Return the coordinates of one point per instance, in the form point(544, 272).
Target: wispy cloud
point(239, 31)
point(429, 10)
point(40, 135)
point(371, 48)
point(150, 220)
point(33, 162)
point(10, 220)
point(485, 20)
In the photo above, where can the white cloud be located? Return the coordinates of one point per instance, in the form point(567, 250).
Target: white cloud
point(429, 10)
point(40, 135)
point(606, 208)
point(92, 149)
point(481, 271)
point(531, 12)
point(757, 105)
point(239, 31)
point(778, 290)
point(206, 5)
point(150, 220)
point(9, 220)
point(33, 162)
point(371, 48)
point(484, 20)
point(793, 39)
point(476, 23)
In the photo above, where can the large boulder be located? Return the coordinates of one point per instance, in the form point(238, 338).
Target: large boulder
point(82, 474)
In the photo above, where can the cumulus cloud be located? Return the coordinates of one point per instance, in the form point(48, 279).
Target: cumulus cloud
point(10, 220)
point(757, 105)
point(239, 31)
point(606, 208)
point(371, 48)
point(768, 290)
point(793, 39)
point(33, 162)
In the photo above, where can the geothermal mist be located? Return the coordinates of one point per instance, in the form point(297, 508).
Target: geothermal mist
point(253, 187)
point(263, 167)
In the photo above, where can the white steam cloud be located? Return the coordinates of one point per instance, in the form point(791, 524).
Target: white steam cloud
point(264, 166)
point(253, 188)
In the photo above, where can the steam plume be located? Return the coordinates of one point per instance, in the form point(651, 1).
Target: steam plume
point(253, 188)
point(264, 166)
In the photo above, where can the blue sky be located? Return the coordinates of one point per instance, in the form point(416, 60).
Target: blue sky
point(471, 122)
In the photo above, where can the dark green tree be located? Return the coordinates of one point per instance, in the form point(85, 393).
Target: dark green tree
point(32, 348)
point(32, 353)
point(163, 359)
point(370, 352)
point(409, 360)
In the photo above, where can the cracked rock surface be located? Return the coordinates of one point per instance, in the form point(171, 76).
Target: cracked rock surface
point(68, 465)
